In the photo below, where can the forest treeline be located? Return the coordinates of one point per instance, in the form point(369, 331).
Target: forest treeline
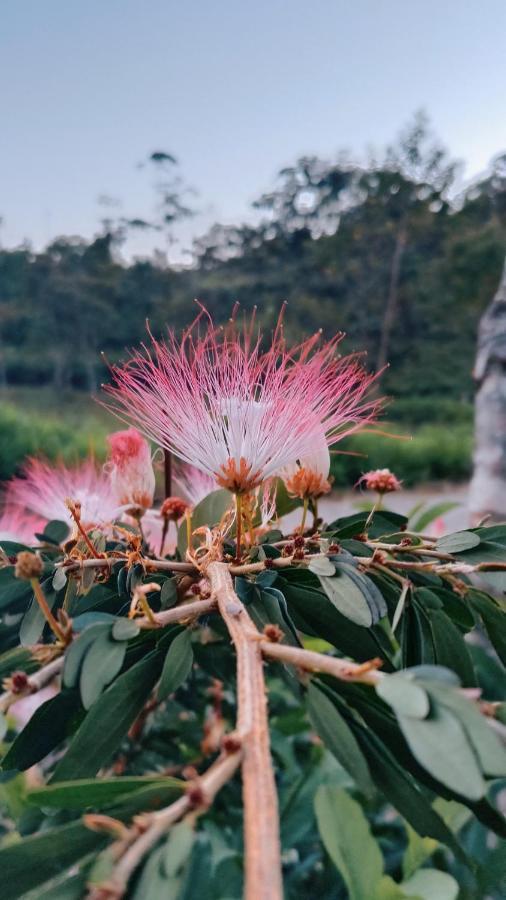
point(390, 252)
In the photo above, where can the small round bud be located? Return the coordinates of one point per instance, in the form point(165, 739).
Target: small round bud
point(231, 743)
point(19, 682)
point(273, 633)
point(28, 565)
point(173, 508)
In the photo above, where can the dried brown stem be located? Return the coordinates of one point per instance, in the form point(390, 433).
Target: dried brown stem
point(261, 821)
point(46, 612)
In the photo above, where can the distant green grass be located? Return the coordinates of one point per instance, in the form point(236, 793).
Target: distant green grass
point(31, 423)
point(440, 447)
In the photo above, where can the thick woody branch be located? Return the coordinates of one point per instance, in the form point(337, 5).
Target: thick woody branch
point(199, 795)
point(310, 661)
point(261, 820)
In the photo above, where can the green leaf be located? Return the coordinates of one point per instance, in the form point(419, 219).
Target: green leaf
point(48, 727)
point(321, 565)
point(34, 620)
point(124, 629)
point(33, 861)
point(76, 652)
point(109, 720)
point(354, 594)
point(487, 745)
point(382, 523)
point(458, 542)
point(17, 658)
point(419, 523)
point(450, 647)
point(418, 851)
point(347, 837)
point(152, 884)
point(177, 849)
point(339, 739)
point(431, 884)
point(440, 745)
point(177, 665)
point(85, 792)
point(55, 531)
point(12, 589)
point(59, 580)
point(404, 696)
point(494, 620)
point(400, 789)
point(102, 662)
point(313, 614)
point(168, 594)
point(208, 512)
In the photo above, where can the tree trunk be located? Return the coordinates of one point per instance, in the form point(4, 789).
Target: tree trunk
point(393, 297)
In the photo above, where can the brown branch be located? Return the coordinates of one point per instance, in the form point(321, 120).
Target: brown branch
point(311, 661)
point(261, 821)
point(152, 565)
point(199, 795)
point(410, 548)
point(178, 613)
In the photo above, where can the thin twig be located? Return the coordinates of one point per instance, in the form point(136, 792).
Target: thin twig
point(35, 683)
point(311, 661)
point(178, 613)
point(203, 788)
point(261, 823)
point(409, 548)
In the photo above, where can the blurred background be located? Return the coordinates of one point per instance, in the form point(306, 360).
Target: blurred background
point(347, 158)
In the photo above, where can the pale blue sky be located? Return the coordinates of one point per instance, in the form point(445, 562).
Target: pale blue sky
point(234, 89)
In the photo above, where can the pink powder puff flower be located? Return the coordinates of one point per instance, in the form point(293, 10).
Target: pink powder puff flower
point(238, 413)
point(19, 526)
point(308, 477)
point(383, 481)
point(44, 489)
point(131, 470)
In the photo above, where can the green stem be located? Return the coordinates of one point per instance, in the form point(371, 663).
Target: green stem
point(238, 527)
point(304, 515)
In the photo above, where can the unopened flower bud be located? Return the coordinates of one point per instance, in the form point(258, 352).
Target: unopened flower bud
point(273, 633)
point(28, 565)
point(17, 683)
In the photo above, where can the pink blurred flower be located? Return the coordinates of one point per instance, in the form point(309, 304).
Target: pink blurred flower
point(19, 526)
point(44, 488)
point(383, 481)
point(131, 470)
point(193, 484)
point(237, 413)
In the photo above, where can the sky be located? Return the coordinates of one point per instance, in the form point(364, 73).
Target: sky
point(235, 90)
